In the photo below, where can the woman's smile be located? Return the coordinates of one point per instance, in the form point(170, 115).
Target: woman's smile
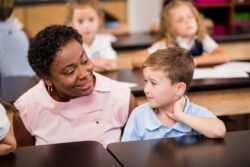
point(84, 86)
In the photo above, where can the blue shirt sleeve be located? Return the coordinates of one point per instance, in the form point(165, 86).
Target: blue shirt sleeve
point(203, 112)
point(131, 131)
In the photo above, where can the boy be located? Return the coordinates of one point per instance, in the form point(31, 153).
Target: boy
point(7, 139)
point(168, 113)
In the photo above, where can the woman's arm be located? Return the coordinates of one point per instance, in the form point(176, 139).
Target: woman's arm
point(218, 56)
point(23, 137)
point(139, 58)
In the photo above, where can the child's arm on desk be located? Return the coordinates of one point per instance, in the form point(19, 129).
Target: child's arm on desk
point(8, 143)
point(218, 56)
point(104, 64)
point(139, 58)
point(209, 127)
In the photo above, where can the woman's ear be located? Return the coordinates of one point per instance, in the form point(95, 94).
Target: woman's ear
point(46, 80)
point(180, 88)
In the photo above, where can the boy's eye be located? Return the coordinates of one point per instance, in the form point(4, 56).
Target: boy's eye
point(145, 81)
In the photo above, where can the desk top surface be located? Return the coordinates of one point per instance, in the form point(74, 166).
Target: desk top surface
point(135, 76)
point(145, 40)
point(193, 151)
point(87, 153)
point(13, 87)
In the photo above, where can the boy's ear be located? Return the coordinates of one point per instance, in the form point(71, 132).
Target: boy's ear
point(180, 89)
point(46, 80)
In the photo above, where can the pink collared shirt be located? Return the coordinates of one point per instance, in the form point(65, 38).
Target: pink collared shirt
point(99, 116)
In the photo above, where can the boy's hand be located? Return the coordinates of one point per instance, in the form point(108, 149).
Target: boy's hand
point(178, 109)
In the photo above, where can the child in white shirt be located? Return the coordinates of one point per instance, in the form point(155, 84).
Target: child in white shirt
point(87, 17)
point(183, 26)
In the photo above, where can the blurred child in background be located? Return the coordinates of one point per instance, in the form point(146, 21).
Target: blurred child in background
point(182, 25)
point(86, 16)
point(13, 44)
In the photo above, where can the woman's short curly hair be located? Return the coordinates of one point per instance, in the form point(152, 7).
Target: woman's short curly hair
point(46, 43)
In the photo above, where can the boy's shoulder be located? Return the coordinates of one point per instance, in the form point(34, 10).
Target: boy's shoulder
point(142, 109)
point(197, 110)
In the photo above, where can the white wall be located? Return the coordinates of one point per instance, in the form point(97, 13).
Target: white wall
point(142, 13)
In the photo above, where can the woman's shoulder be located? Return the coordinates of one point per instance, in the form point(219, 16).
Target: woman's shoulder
point(141, 109)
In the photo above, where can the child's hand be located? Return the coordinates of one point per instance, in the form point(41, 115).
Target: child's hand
point(178, 109)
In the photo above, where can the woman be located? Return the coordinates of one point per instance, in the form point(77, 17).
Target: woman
point(70, 103)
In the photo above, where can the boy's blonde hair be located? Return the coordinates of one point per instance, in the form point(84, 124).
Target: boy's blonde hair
point(73, 4)
point(166, 31)
point(176, 62)
point(6, 9)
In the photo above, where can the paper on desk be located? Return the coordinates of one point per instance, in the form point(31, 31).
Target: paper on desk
point(219, 73)
point(244, 66)
point(128, 84)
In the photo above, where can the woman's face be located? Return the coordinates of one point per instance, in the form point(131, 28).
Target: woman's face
point(71, 73)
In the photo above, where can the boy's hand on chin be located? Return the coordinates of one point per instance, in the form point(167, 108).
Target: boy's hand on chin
point(178, 110)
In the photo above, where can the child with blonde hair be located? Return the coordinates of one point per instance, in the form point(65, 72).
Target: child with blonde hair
point(86, 17)
point(7, 139)
point(182, 25)
point(168, 113)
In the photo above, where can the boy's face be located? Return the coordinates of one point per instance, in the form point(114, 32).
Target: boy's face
point(183, 22)
point(159, 90)
point(87, 22)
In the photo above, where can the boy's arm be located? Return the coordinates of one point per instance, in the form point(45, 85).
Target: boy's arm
point(209, 127)
point(8, 143)
point(139, 58)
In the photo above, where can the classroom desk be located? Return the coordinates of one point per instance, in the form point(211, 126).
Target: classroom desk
point(86, 153)
point(221, 96)
point(191, 151)
point(146, 39)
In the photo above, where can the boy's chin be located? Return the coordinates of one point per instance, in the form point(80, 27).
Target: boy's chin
point(152, 105)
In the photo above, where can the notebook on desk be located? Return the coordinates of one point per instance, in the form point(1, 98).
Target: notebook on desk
point(11, 87)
